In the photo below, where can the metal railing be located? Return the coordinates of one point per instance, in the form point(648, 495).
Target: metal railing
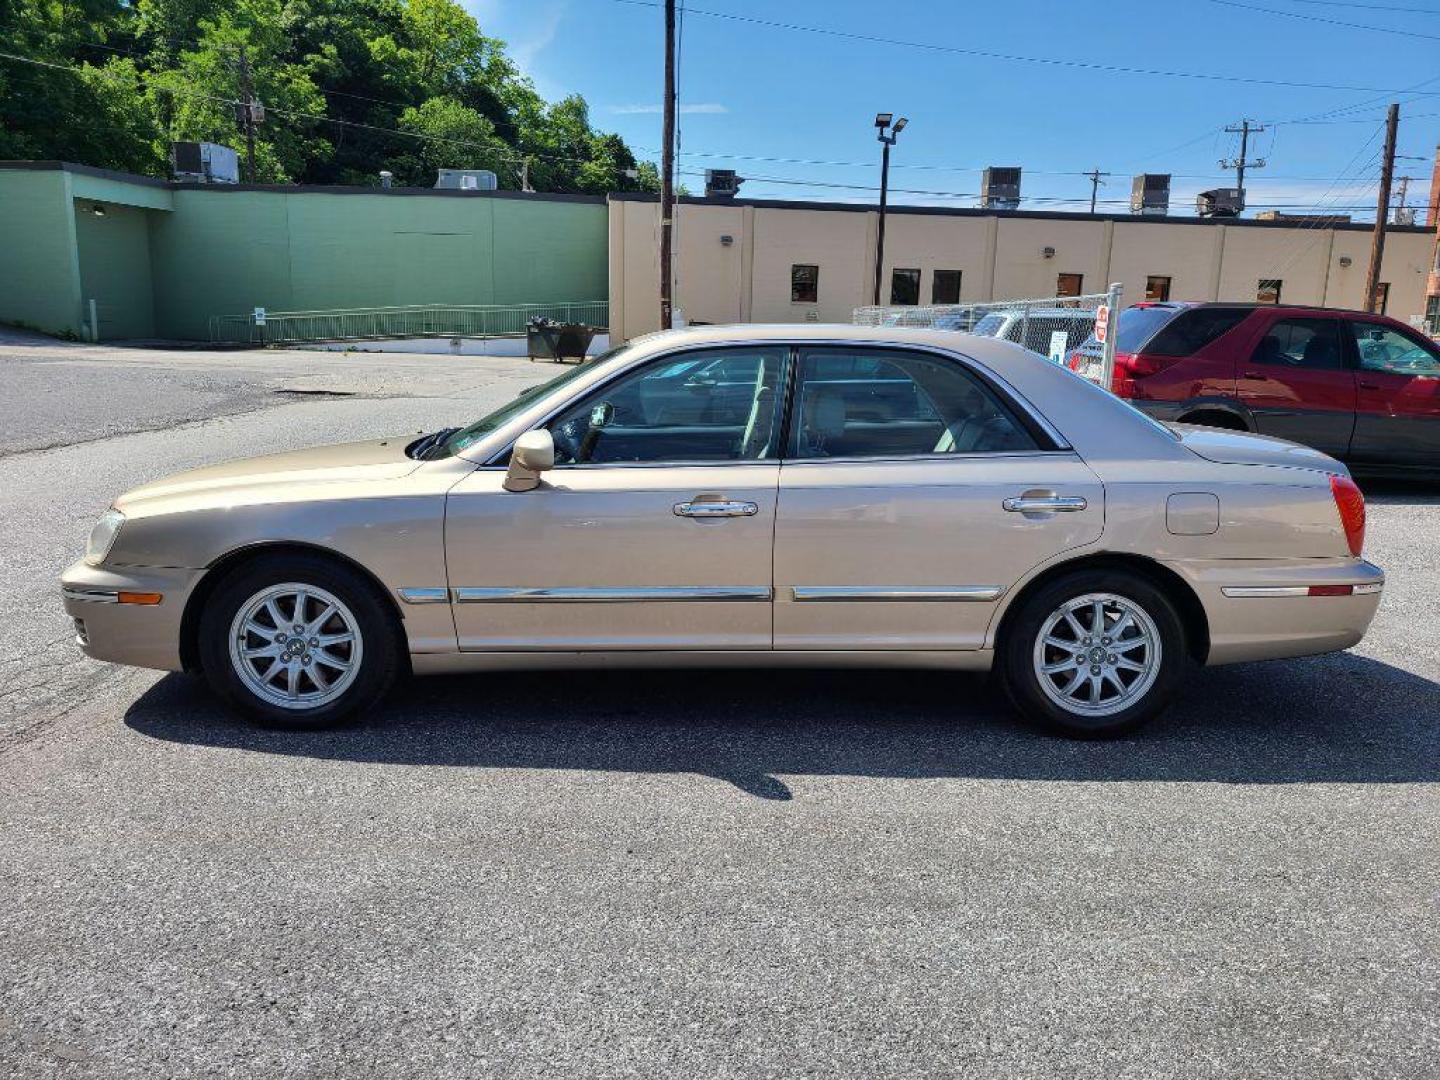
point(423, 320)
point(1052, 326)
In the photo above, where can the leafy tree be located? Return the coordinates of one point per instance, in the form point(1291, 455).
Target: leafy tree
point(350, 87)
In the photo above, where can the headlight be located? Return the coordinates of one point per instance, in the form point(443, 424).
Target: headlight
point(102, 536)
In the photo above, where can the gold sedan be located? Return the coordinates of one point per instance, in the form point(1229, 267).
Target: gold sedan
point(747, 496)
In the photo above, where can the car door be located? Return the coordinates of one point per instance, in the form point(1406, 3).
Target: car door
point(1397, 416)
point(1297, 383)
point(903, 518)
point(654, 529)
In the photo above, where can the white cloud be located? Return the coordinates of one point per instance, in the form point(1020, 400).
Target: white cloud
point(524, 51)
point(704, 107)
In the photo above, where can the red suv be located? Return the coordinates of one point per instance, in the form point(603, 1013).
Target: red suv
point(1363, 388)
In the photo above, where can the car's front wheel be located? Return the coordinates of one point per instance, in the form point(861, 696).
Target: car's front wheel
point(1093, 654)
point(298, 641)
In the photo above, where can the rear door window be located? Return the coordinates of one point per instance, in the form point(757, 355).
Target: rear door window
point(1187, 333)
point(1309, 344)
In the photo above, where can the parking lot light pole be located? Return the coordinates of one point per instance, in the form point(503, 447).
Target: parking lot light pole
point(882, 122)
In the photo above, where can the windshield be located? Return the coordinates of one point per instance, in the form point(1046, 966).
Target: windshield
point(473, 433)
point(990, 325)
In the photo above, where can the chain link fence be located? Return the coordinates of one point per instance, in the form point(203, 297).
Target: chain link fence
point(1053, 326)
point(374, 324)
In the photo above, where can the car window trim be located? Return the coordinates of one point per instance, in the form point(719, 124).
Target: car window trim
point(1047, 436)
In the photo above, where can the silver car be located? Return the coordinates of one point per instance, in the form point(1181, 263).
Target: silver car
point(746, 496)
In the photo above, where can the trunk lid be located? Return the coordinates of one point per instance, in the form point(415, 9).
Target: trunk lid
point(1241, 448)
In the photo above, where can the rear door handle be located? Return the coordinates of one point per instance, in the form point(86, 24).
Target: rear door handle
point(726, 508)
point(1045, 504)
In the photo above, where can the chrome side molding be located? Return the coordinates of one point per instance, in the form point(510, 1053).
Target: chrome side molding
point(610, 595)
point(425, 596)
point(890, 594)
point(91, 596)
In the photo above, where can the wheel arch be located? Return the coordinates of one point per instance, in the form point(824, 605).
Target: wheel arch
point(1192, 611)
point(216, 571)
point(1233, 411)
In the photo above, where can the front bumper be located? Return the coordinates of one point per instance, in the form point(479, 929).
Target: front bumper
point(139, 634)
point(1262, 609)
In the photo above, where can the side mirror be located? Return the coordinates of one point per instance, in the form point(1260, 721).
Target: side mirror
point(533, 454)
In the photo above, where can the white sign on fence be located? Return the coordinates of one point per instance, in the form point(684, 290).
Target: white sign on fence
point(1058, 340)
point(259, 316)
point(1102, 322)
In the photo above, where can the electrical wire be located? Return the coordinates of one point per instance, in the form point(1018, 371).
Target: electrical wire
point(1068, 62)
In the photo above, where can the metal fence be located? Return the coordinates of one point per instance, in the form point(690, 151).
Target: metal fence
point(1053, 326)
point(427, 320)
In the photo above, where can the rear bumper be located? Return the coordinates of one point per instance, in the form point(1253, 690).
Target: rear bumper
point(1261, 609)
point(142, 635)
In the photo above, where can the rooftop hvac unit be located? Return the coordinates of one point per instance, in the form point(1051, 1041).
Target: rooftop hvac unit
point(204, 163)
point(1220, 202)
point(1000, 188)
point(722, 183)
point(467, 180)
point(1150, 194)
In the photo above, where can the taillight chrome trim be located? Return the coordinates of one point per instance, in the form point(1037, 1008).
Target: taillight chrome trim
point(1366, 588)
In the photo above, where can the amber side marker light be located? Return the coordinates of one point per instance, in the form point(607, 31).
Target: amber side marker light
point(144, 599)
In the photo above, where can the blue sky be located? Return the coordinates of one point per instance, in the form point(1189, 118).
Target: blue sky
point(752, 92)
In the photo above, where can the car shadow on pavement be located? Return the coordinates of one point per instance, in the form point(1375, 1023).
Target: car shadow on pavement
point(1341, 718)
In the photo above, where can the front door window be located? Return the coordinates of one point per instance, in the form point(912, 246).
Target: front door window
point(701, 406)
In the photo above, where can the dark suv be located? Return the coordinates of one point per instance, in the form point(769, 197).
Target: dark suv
point(1363, 388)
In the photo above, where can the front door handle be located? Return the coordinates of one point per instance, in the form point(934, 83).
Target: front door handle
point(1045, 504)
point(1258, 376)
point(719, 509)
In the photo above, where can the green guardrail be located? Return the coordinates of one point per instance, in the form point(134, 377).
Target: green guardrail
point(374, 324)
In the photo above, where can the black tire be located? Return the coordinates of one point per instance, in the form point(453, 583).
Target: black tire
point(1016, 661)
point(378, 637)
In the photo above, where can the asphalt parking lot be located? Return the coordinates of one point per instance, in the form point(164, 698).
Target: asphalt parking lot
point(689, 874)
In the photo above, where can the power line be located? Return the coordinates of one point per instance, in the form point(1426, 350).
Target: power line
point(1087, 65)
point(1328, 22)
point(1369, 7)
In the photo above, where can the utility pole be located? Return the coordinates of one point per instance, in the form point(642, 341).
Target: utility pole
point(1403, 216)
point(667, 170)
point(1095, 182)
point(1382, 208)
point(246, 111)
point(1244, 129)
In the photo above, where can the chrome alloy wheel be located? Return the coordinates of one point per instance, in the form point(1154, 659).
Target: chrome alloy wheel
point(1097, 654)
point(295, 646)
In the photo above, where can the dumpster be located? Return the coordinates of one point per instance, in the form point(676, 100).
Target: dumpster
point(548, 340)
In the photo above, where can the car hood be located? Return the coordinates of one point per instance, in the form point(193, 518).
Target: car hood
point(375, 459)
point(1241, 448)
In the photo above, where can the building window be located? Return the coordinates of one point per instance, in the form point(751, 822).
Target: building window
point(945, 287)
point(1069, 284)
point(904, 286)
point(804, 283)
point(1268, 291)
point(1157, 288)
point(1432, 313)
point(1382, 296)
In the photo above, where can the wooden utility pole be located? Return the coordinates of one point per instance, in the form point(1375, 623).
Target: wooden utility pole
point(1382, 208)
point(667, 170)
point(1095, 182)
point(247, 115)
point(1245, 129)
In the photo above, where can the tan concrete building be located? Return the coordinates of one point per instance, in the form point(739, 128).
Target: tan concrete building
point(773, 261)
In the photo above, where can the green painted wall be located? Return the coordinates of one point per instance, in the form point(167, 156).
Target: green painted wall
point(115, 269)
point(39, 270)
point(227, 252)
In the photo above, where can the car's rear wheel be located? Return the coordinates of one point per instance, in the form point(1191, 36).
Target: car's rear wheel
point(298, 641)
point(1093, 654)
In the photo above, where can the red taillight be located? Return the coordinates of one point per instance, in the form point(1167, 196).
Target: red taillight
point(1132, 366)
point(1350, 501)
